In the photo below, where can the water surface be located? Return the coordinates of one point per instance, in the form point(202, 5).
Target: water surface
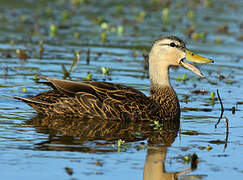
point(34, 147)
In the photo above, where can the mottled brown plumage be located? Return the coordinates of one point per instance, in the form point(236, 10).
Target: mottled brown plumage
point(119, 102)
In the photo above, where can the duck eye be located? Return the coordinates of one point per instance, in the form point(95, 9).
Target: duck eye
point(172, 44)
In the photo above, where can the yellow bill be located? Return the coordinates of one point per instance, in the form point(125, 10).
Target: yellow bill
point(191, 56)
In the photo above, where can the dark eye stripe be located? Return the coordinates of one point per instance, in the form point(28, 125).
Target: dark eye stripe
point(171, 45)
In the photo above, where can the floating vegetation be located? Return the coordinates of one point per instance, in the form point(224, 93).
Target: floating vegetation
point(24, 89)
point(69, 171)
point(105, 71)
point(21, 54)
point(191, 133)
point(11, 42)
point(53, 29)
point(165, 16)
point(191, 15)
point(140, 16)
point(36, 78)
point(120, 145)
point(103, 36)
point(240, 38)
point(118, 35)
point(212, 95)
point(199, 36)
point(183, 78)
point(104, 25)
point(200, 91)
point(209, 148)
point(223, 29)
point(193, 159)
point(187, 159)
point(120, 30)
point(208, 3)
point(212, 98)
point(66, 73)
point(75, 61)
point(134, 54)
point(218, 41)
point(191, 29)
point(88, 77)
point(76, 35)
point(65, 15)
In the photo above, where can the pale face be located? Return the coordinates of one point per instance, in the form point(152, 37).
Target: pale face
point(169, 51)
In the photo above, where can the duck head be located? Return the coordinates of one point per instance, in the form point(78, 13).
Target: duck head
point(171, 51)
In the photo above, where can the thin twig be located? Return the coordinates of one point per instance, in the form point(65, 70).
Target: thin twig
point(88, 57)
point(222, 109)
point(227, 132)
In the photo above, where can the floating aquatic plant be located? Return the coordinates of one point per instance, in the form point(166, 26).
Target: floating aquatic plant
point(120, 30)
point(191, 15)
point(182, 78)
point(166, 16)
point(105, 70)
point(53, 30)
point(65, 72)
point(75, 61)
point(76, 35)
point(199, 36)
point(24, 89)
point(21, 54)
point(88, 77)
point(119, 145)
point(140, 16)
point(103, 36)
point(65, 15)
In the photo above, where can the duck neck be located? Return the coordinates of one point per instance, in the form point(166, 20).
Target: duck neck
point(159, 75)
point(163, 94)
point(167, 100)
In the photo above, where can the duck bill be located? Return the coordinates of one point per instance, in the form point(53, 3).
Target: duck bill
point(192, 57)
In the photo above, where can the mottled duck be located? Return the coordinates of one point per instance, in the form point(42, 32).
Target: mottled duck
point(103, 100)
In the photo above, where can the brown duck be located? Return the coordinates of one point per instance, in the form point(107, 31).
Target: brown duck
point(115, 101)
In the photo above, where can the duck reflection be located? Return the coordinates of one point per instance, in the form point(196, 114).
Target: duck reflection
point(94, 135)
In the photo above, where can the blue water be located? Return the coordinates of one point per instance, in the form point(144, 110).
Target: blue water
point(32, 151)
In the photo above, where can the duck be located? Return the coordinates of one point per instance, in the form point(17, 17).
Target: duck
point(113, 101)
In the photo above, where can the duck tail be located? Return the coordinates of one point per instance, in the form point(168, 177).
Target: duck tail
point(35, 104)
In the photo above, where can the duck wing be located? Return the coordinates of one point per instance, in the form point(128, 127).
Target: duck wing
point(98, 99)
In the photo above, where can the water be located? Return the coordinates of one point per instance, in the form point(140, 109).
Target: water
point(33, 147)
